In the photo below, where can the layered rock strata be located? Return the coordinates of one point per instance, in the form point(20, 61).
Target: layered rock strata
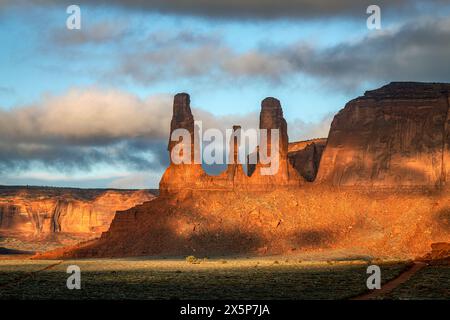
point(37, 212)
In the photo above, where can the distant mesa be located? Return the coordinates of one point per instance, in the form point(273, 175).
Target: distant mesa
point(39, 212)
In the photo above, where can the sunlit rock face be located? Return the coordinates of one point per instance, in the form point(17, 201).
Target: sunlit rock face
point(311, 220)
point(188, 177)
point(182, 176)
point(271, 117)
point(44, 211)
point(395, 136)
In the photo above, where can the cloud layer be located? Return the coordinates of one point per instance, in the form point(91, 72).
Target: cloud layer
point(250, 9)
point(88, 127)
point(83, 128)
point(418, 50)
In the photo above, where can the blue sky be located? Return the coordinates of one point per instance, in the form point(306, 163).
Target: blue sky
point(142, 55)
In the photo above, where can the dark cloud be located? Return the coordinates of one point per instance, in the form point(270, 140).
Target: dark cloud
point(419, 51)
point(259, 9)
point(416, 51)
point(187, 37)
point(97, 33)
point(84, 128)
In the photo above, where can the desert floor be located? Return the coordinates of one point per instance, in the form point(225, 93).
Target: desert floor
point(225, 278)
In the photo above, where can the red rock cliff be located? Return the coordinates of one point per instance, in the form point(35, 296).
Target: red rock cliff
point(395, 136)
point(41, 211)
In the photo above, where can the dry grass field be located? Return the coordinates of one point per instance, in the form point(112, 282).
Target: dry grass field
point(433, 282)
point(232, 278)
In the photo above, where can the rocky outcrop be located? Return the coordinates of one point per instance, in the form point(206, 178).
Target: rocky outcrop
point(184, 177)
point(289, 222)
point(179, 176)
point(393, 137)
point(271, 117)
point(182, 118)
point(41, 211)
point(439, 255)
point(305, 157)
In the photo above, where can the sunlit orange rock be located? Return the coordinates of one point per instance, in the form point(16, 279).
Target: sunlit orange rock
point(317, 220)
point(188, 177)
point(182, 176)
point(271, 117)
point(42, 211)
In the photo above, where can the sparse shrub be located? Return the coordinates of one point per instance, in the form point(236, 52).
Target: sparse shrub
point(192, 260)
point(276, 262)
point(223, 261)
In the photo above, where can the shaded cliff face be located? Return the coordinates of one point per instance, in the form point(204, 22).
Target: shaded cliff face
point(41, 211)
point(305, 157)
point(396, 136)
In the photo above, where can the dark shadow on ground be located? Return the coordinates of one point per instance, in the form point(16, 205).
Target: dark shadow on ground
point(6, 251)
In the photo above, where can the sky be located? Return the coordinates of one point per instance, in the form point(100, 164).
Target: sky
point(92, 107)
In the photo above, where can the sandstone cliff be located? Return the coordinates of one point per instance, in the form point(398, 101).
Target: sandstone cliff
point(392, 137)
point(36, 211)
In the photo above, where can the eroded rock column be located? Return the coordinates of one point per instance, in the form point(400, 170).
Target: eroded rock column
point(182, 118)
point(186, 175)
point(235, 172)
point(271, 118)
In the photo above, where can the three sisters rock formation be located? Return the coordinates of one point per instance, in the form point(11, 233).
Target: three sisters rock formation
point(378, 186)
